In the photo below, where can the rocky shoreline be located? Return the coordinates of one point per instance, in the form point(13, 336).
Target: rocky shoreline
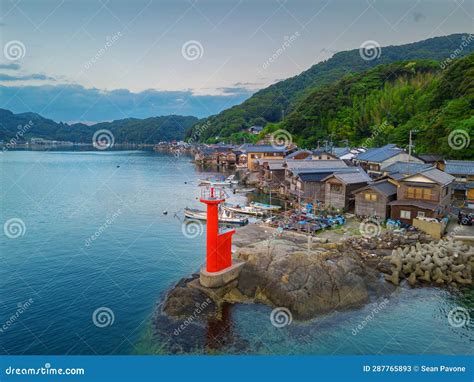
point(313, 278)
point(278, 273)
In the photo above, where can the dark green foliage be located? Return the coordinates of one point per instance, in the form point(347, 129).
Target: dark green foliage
point(269, 104)
point(385, 103)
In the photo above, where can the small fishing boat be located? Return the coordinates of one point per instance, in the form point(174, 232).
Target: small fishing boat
point(227, 217)
point(227, 182)
point(246, 210)
point(244, 190)
point(264, 206)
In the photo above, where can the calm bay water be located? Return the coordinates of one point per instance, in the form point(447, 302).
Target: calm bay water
point(95, 236)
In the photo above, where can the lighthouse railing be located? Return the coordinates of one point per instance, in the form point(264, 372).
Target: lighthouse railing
point(212, 193)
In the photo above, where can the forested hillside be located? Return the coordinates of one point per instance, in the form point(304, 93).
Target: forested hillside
point(269, 104)
point(385, 103)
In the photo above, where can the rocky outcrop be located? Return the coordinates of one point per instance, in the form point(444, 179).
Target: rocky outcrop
point(310, 278)
point(306, 282)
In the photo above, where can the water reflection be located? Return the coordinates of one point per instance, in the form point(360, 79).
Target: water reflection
point(220, 332)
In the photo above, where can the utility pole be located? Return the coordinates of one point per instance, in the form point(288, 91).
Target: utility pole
point(410, 146)
point(270, 186)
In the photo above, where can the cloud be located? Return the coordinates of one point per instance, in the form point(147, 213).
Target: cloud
point(26, 77)
point(10, 66)
point(418, 16)
point(65, 102)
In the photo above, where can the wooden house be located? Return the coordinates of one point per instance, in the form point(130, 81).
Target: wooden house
point(255, 152)
point(425, 194)
point(339, 187)
point(373, 199)
point(303, 179)
point(322, 154)
point(463, 172)
point(375, 159)
point(404, 168)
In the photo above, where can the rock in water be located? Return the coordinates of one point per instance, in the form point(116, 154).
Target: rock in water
point(315, 282)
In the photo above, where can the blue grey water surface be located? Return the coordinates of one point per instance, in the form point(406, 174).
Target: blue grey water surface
point(95, 239)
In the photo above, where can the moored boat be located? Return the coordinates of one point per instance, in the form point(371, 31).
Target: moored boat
point(227, 182)
point(264, 206)
point(227, 217)
point(246, 210)
point(244, 190)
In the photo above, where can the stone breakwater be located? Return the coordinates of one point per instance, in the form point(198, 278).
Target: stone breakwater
point(438, 263)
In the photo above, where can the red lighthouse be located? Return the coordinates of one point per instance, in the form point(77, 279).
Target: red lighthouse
point(218, 244)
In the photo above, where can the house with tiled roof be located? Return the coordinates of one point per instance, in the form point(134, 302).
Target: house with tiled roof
point(463, 172)
point(305, 180)
point(374, 159)
point(322, 154)
point(339, 187)
point(374, 198)
point(427, 193)
point(254, 152)
point(256, 129)
point(404, 168)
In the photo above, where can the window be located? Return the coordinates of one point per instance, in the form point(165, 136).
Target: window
point(420, 214)
point(370, 197)
point(336, 188)
point(405, 214)
point(419, 193)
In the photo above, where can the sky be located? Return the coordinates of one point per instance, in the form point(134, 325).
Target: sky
point(99, 60)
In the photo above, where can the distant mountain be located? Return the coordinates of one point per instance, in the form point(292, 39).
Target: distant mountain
point(130, 130)
point(269, 104)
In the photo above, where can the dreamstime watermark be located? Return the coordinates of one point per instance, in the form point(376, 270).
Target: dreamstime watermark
point(459, 317)
point(370, 317)
point(200, 307)
point(375, 133)
point(370, 228)
point(370, 50)
point(108, 222)
point(22, 307)
point(109, 42)
point(281, 139)
point(103, 139)
point(14, 228)
point(14, 50)
point(280, 317)
point(103, 317)
point(466, 41)
point(192, 50)
point(44, 370)
point(198, 131)
point(21, 131)
point(287, 42)
point(459, 139)
point(192, 228)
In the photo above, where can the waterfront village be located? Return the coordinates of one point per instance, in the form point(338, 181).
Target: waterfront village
point(319, 231)
point(342, 227)
point(384, 183)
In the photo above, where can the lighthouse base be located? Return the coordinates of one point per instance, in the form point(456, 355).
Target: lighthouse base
point(221, 278)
